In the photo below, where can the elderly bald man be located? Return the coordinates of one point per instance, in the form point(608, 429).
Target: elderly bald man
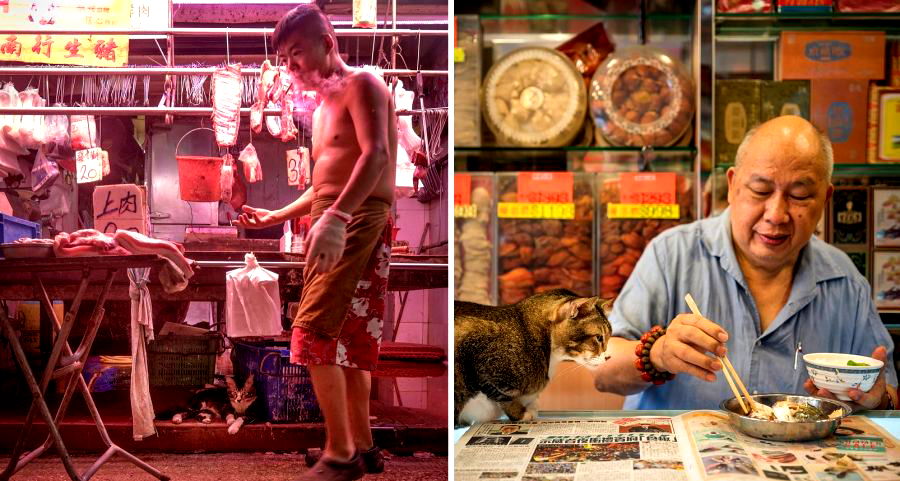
point(763, 281)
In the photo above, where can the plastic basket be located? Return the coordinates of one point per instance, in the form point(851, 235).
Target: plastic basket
point(284, 389)
point(14, 228)
point(183, 360)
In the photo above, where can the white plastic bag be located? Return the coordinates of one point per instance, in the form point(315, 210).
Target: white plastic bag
point(252, 301)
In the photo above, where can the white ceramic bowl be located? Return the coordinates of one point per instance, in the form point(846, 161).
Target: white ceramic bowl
point(829, 370)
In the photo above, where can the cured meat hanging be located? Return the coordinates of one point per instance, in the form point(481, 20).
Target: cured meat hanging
point(252, 167)
point(227, 88)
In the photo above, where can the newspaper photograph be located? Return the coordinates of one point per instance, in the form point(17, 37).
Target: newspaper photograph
point(700, 445)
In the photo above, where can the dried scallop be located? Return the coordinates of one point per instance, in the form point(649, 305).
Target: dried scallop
point(534, 97)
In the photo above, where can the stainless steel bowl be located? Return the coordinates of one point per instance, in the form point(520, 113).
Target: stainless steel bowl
point(786, 431)
point(24, 251)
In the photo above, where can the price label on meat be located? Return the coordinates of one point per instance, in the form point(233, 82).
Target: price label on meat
point(88, 165)
point(298, 166)
point(525, 210)
point(647, 188)
point(545, 187)
point(643, 211)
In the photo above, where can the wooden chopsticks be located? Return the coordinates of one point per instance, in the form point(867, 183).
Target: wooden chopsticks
point(730, 374)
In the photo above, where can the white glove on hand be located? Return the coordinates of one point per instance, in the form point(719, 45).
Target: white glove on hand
point(326, 242)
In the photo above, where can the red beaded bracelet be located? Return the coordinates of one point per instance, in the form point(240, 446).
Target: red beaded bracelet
point(649, 372)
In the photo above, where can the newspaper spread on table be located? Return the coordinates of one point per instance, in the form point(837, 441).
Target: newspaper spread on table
point(700, 445)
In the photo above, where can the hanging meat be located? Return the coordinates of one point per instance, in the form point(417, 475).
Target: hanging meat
point(268, 80)
point(288, 129)
point(227, 177)
point(238, 193)
point(227, 88)
point(252, 168)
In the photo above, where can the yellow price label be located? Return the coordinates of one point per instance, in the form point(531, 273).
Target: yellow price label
point(643, 211)
point(523, 210)
point(459, 55)
point(465, 211)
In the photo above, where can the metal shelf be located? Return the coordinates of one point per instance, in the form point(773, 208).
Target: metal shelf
point(575, 148)
point(185, 111)
point(591, 16)
point(236, 32)
point(95, 71)
point(849, 170)
point(764, 27)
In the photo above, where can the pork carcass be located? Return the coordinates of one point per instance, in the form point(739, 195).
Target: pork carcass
point(273, 124)
point(252, 168)
point(177, 270)
point(86, 242)
point(227, 88)
point(31, 129)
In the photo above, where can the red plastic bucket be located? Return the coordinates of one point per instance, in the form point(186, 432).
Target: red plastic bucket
point(199, 177)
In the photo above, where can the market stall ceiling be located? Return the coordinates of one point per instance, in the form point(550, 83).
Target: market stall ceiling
point(424, 53)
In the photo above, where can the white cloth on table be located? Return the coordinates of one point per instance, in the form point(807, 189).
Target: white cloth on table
point(141, 332)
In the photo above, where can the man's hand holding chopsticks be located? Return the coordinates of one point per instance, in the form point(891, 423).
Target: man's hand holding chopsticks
point(685, 345)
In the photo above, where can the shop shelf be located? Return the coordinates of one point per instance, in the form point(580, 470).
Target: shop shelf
point(767, 26)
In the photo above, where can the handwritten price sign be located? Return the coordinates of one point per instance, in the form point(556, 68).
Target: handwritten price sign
point(88, 165)
point(545, 187)
point(462, 189)
point(297, 166)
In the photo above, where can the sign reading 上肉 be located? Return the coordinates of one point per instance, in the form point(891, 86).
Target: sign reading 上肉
point(121, 206)
point(70, 49)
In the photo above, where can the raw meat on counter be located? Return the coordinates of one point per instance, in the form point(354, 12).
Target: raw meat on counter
point(174, 275)
point(178, 269)
point(227, 88)
point(86, 242)
point(226, 179)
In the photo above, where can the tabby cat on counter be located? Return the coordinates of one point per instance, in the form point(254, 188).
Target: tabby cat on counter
point(504, 356)
point(217, 403)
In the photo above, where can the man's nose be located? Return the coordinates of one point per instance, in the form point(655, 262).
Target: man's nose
point(776, 210)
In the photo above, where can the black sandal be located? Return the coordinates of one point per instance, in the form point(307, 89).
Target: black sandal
point(327, 469)
point(372, 458)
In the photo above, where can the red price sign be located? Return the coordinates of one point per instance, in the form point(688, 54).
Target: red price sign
point(545, 187)
point(462, 189)
point(647, 188)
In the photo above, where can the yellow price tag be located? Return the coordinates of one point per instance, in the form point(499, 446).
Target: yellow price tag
point(459, 55)
point(643, 211)
point(466, 211)
point(523, 210)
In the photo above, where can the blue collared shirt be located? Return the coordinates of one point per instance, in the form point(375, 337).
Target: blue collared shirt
point(830, 309)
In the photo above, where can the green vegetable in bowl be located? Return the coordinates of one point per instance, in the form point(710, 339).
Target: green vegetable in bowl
point(854, 363)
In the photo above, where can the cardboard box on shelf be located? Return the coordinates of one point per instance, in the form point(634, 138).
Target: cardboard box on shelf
point(831, 55)
point(785, 97)
point(883, 136)
point(838, 108)
point(737, 111)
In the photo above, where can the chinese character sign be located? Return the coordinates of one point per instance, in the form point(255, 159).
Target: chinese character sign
point(53, 48)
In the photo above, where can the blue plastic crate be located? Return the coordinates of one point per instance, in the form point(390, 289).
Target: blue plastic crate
point(284, 389)
point(14, 228)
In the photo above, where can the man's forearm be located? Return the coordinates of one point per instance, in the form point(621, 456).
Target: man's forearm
point(618, 375)
point(298, 208)
point(365, 177)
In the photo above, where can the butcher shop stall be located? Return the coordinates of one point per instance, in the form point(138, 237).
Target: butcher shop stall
point(133, 133)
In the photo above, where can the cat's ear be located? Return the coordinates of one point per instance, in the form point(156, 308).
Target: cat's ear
point(229, 381)
point(573, 308)
point(248, 384)
point(604, 306)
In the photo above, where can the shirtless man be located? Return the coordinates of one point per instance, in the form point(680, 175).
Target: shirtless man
point(348, 247)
